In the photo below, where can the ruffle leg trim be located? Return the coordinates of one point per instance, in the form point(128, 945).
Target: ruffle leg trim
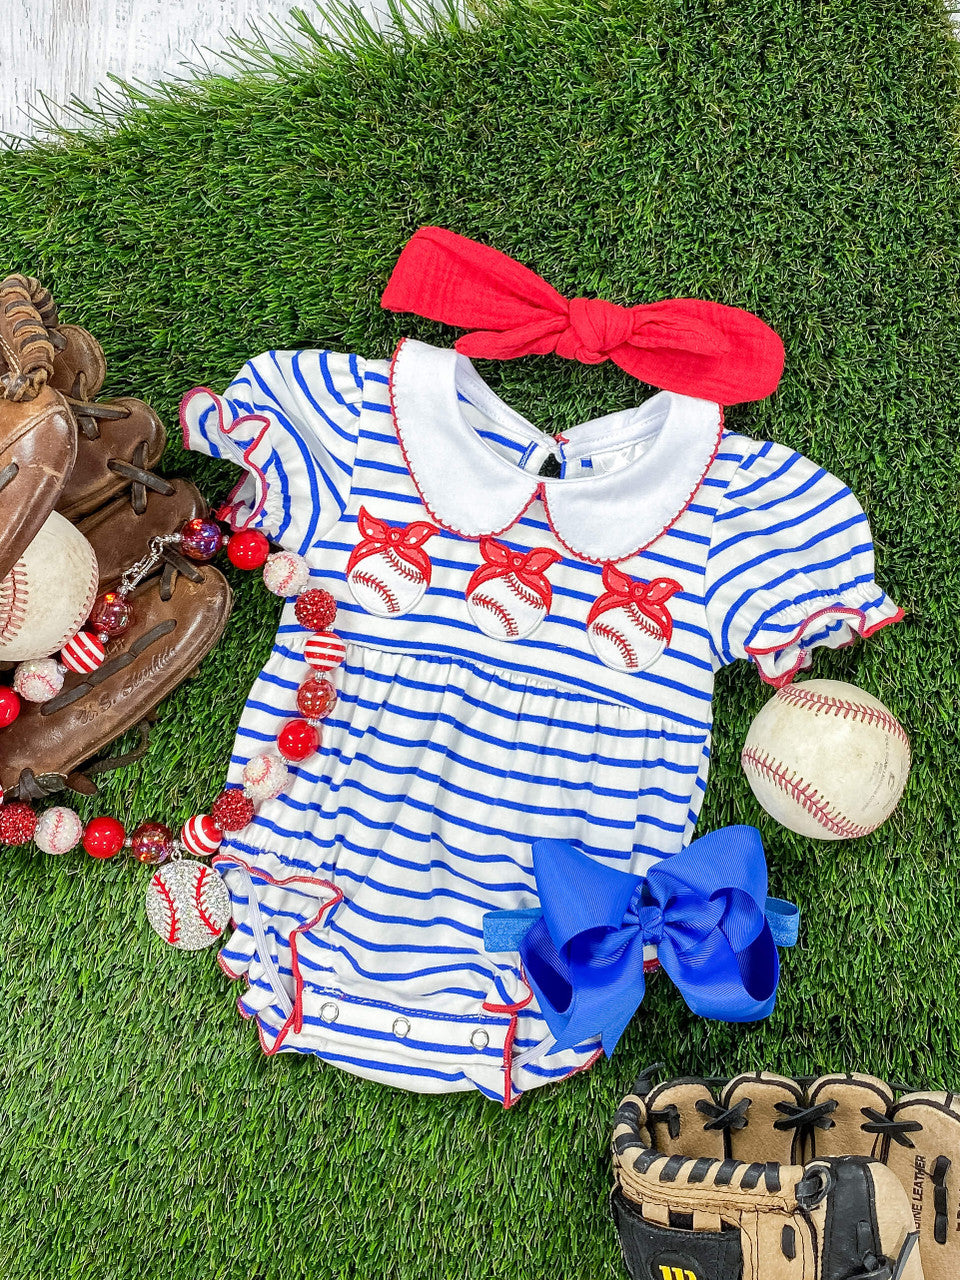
point(270, 915)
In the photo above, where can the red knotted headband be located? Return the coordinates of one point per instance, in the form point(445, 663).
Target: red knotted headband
point(686, 345)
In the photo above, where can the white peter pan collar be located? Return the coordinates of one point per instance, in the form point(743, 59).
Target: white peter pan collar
point(470, 489)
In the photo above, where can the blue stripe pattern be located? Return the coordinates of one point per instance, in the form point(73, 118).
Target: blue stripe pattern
point(364, 884)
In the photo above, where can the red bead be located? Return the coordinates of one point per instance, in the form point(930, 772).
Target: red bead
point(316, 698)
point(248, 549)
point(201, 835)
point(84, 653)
point(232, 810)
point(18, 822)
point(151, 843)
point(104, 837)
point(200, 539)
point(316, 609)
point(112, 613)
point(9, 706)
point(297, 740)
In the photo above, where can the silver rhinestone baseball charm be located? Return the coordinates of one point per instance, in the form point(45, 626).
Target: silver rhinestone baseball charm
point(188, 904)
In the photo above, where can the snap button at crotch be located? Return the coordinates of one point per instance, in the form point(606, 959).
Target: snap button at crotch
point(479, 1039)
point(401, 1028)
point(329, 1012)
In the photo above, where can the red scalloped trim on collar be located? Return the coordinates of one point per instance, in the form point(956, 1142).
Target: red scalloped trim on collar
point(649, 543)
point(434, 515)
point(539, 491)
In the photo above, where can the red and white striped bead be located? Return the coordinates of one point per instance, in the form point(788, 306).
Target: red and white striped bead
point(83, 654)
point(201, 835)
point(324, 651)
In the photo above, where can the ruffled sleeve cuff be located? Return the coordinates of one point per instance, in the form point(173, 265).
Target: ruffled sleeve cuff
point(212, 425)
point(783, 640)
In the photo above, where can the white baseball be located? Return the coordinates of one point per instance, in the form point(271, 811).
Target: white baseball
point(386, 585)
point(58, 830)
point(505, 608)
point(264, 777)
point(188, 904)
point(285, 573)
point(626, 639)
point(48, 594)
point(38, 680)
point(826, 759)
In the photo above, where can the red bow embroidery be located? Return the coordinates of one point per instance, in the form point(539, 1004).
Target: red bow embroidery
point(529, 568)
point(406, 540)
point(649, 597)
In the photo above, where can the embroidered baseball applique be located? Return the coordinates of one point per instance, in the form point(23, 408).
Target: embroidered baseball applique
point(629, 626)
point(388, 571)
point(509, 596)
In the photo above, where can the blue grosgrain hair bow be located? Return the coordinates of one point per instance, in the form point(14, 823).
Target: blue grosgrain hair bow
point(705, 910)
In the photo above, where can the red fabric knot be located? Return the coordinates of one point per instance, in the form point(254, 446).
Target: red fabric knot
point(687, 345)
point(406, 540)
point(596, 329)
point(527, 567)
point(649, 597)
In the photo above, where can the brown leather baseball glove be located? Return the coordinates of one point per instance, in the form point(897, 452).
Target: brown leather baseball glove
point(770, 1178)
point(93, 461)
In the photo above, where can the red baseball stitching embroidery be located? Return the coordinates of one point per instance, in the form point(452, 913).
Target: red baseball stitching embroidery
point(805, 795)
point(800, 696)
point(379, 588)
point(618, 641)
point(498, 611)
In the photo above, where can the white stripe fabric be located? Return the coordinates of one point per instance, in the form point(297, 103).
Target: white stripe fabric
point(791, 564)
point(359, 893)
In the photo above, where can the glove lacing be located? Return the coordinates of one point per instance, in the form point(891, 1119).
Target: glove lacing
point(877, 1122)
point(725, 1117)
point(817, 1116)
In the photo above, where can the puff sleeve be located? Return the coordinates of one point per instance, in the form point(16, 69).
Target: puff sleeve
point(290, 419)
point(791, 564)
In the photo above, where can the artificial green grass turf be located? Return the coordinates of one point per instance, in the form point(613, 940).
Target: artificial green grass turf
point(797, 159)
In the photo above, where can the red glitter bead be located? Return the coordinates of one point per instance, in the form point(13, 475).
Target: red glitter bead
point(316, 698)
point(248, 549)
point(151, 843)
point(316, 609)
point(112, 613)
point(297, 740)
point(200, 539)
point(9, 706)
point(18, 822)
point(232, 810)
point(104, 837)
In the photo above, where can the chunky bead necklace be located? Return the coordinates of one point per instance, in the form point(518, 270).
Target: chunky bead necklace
point(187, 902)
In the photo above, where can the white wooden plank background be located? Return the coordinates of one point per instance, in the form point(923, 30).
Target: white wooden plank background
point(62, 48)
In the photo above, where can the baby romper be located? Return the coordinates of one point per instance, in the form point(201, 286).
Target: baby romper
point(533, 624)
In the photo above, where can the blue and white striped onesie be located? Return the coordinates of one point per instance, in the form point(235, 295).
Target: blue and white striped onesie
point(533, 624)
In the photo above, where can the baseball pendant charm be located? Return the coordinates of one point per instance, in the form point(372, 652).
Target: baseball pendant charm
point(188, 904)
point(629, 626)
point(388, 570)
point(826, 759)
